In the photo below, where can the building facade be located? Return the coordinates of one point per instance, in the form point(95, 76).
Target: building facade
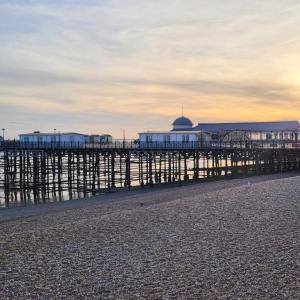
point(183, 131)
point(173, 137)
point(38, 137)
point(253, 131)
point(100, 139)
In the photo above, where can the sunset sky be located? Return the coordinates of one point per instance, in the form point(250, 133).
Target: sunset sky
point(104, 66)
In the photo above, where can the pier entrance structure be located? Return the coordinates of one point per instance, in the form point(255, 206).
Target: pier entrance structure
point(33, 173)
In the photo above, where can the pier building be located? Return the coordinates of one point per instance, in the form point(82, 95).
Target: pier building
point(103, 138)
point(38, 137)
point(64, 138)
point(280, 130)
point(183, 130)
point(174, 137)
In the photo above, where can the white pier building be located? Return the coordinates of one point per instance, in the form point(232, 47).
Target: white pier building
point(182, 132)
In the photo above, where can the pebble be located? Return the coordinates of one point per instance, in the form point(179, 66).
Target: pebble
point(234, 242)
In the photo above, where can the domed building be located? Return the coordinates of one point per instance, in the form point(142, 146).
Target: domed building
point(182, 132)
point(182, 124)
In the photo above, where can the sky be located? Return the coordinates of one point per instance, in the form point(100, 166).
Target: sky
point(110, 66)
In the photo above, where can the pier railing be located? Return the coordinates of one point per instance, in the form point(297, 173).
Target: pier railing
point(135, 145)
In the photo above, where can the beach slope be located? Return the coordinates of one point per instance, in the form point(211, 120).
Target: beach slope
point(229, 239)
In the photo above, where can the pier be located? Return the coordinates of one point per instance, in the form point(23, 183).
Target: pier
point(40, 172)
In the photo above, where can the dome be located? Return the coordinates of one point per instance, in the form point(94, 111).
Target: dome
point(182, 123)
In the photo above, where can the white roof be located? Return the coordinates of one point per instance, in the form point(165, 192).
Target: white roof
point(171, 132)
point(52, 134)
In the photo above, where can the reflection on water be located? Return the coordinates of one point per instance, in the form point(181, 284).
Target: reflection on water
point(13, 198)
point(36, 179)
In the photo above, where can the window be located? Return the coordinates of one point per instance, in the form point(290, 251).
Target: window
point(148, 138)
point(185, 138)
point(167, 138)
point(269, 136)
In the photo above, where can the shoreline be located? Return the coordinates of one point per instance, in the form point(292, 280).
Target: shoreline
point(191, 188)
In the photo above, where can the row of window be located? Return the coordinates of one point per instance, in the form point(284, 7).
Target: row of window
point(167, 138)
point(269, 136)
point(281, 135)
point(41, 139)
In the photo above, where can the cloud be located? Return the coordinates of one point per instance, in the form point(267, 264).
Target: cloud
point(108, 59)
point(34, 77)
point(90, 123)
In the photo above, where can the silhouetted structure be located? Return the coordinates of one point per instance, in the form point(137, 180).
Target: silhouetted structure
point(37, 172)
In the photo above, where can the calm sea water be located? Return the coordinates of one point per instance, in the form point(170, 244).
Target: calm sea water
point(52, 191)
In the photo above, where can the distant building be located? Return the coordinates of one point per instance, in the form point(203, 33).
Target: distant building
point(281, 130)
point(38, 137)
point(106, 138)
point(184, 131)
point(95, 138)
point(103, 139)
point(173, 137)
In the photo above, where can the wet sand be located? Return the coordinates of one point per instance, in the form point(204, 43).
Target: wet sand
point(219, 240)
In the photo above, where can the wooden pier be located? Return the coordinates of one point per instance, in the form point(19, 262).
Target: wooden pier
point(37, 173)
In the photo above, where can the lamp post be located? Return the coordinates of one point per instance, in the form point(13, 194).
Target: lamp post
point(3, 130)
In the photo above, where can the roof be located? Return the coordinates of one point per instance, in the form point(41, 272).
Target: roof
point(171, 132)
point(52, 134)
point(183, 121)
point(250, 126)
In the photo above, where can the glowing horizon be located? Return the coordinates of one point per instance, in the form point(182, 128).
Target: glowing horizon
point(105, 66)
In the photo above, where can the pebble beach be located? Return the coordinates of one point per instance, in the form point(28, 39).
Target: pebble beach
point(234, 239)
